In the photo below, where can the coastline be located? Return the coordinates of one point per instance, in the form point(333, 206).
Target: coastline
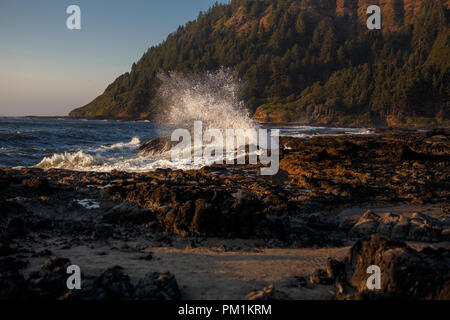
point(330, 194)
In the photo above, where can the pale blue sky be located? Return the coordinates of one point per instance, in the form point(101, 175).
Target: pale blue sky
point(47, 69)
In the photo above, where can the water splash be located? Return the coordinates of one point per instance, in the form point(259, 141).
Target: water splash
point(68, 160)
point(212, 97)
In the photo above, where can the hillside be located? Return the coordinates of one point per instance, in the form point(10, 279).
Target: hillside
point(311, 61)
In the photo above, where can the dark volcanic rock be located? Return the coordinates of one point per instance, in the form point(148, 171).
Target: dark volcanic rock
point(157, 145)
point(392, 166)
point(157, 286)
point(51, 281)
point(205, 218)
point(267, 293)
point(128, 213)
point(419, 227)
point(320, 276)
point(405, 272)
point(112, 284)
point(37, 184)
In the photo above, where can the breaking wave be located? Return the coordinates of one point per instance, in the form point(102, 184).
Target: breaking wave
point(212, 97)
point(67, 160)
point(134, 143)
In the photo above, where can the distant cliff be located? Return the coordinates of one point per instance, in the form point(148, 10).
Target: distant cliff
point(305, 61)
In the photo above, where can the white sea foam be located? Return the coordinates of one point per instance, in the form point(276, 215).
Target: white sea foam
point(81, 161)
point(88, 203)
point(135, 142)
point(68, 161)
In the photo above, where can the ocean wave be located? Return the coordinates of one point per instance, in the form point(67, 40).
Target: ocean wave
point(80, 161)
point(133, 143)
point(74, 161)
point(123, 156)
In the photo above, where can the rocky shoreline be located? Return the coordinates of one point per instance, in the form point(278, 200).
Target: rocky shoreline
point(384, 197)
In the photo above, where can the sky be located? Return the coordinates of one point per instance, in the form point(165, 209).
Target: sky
point(48, 70)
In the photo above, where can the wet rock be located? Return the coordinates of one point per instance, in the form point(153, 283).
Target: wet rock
point(157, 286)
point(157, 145)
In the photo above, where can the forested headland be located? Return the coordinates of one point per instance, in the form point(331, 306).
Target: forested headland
point(308, 61)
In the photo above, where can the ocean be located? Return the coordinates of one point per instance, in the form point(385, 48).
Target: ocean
point(88, 145)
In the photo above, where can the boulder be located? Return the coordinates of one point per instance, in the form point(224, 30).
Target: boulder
point(320, 276)
point(157, 286)
point(49, 283)
point(367, 224)
point(112, 284)
point(419, 227)
point(405, 272)
point(157, 145)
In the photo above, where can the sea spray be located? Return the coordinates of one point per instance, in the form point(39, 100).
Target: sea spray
point(212, 97)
